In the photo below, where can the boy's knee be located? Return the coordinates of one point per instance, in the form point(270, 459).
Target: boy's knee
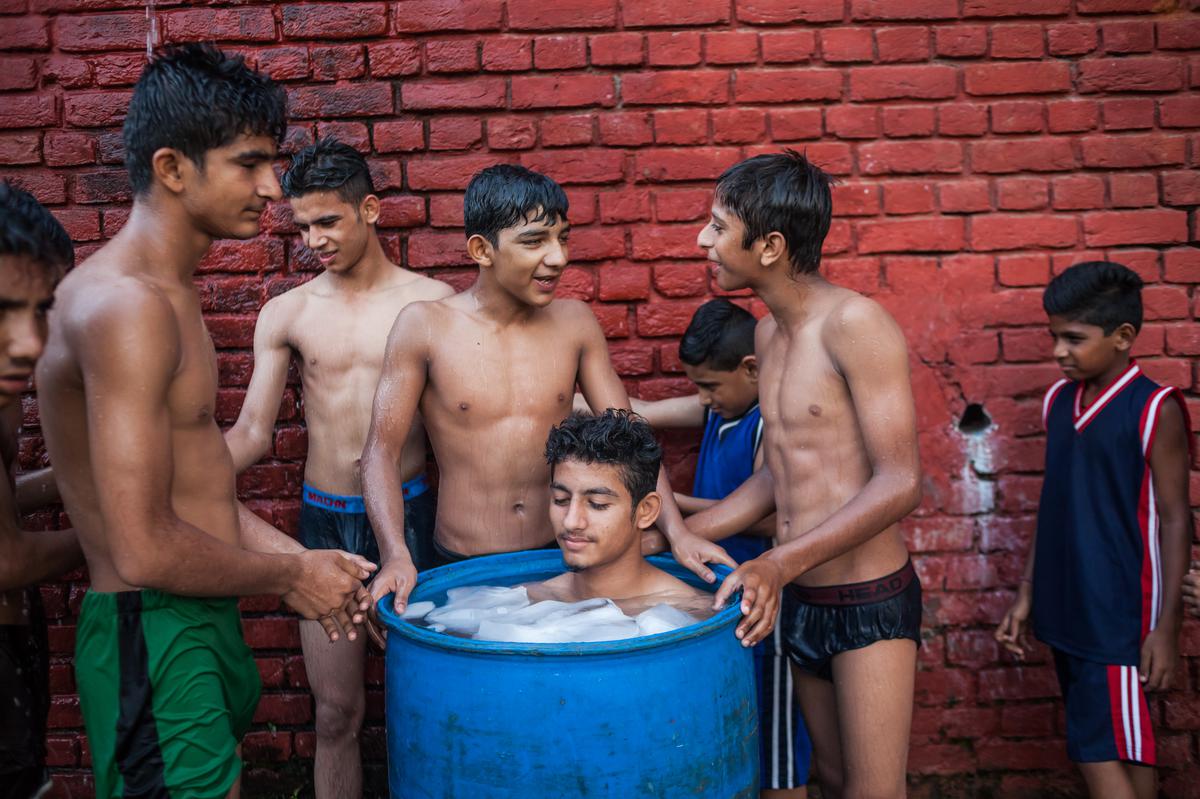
point(339, 718)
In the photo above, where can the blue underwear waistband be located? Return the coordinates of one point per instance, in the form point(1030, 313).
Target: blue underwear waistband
point(339, 503)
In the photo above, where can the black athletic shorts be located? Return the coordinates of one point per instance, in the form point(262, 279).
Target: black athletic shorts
point(821, 622)
point(24, 703)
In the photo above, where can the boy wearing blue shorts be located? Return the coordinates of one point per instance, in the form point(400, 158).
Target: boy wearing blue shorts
point(1103, 581)
point(717, 352)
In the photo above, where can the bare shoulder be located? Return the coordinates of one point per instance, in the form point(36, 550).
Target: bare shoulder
point(764, 330)
point(421, 288)
point(278, 312)
point(858, 330)
point(573, 315)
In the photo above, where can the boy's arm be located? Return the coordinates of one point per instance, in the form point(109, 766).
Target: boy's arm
point(1169, 469)
point(27, 557)
point(689, 504)
point(128, 354)
point(250, 437)
point(749, 504)
point(878, 381)
point(603, 389)
point(37, 489)
point(1013, 633)
point(401, 383)
point(672, 412)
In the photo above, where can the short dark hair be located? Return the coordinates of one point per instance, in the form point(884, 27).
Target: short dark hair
point(505, 195)
point(329, 165)
point(720, 334)
point(1100, 293)
point(195, 98)
point(618, 437)
point(781, 192)
point(28, 230)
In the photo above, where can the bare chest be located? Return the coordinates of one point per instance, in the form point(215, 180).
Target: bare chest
point(332, 340)
point(799, 387)
point(192, 396)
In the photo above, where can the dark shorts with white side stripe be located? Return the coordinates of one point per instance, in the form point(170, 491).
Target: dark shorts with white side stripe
point(1108, 717)
point(786, 750)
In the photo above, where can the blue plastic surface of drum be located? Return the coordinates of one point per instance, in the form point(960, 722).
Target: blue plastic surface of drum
point(670, 715)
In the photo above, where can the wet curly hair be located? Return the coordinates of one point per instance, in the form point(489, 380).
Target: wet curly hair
point(618, 437)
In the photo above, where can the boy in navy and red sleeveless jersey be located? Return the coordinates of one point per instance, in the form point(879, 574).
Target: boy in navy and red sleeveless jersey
point(1103, 583)
point(717, 352)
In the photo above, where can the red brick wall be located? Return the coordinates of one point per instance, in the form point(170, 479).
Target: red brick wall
point(982, 145)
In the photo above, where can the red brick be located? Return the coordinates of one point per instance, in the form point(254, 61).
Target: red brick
point(559, 52)
point(95, 109)
point(334, 20)
point(1118, 6)
point(1132, 190)
point(852, 122)
point(680, 127)
point(890, 83)
point(787, 86)
point(616, 49)
point(447, 172)
point(1021, 8)
point(507, 55)
point(681, 280)
point(624, 281)
point(90, 32)
point(69, 148)
point(682, 205)
point(1181, 188)
point(738, 125)
point(284, 709)
point(457, 93)
point(453, 55)
point(731, 47)
point(670, 87)
point(1012, 232)
point(903, 9)
point(907, 121)
point(779, 12)
point(234, 24)
point(402, 135)
point(1072, 116)
point(667, 165)
point(1130, 75)
point(905, 197)
point(1178, 34)
point(1078, 192)
point(1017, 755)
point(1071, 38)
point(578, 166)
point(1128, 113)
point(943, 234)
point(284, 63)
point(338, 62)
point(567, 130)
point(961, 119)
point(960, 41)
point(844, 45)
point(648, 13)
point(20, 148)
point(17, 73)
point(964, 196)
point(393, 59)
point(1023, 155)
point(1128, 36)
point(359, 99)
point(909, 43)
point(537, 15)
point(1106, 228)
point(1022, 194)
point(1018, 116)
point(1133, 151)
point(665, 318)
point(652, 242)
point(1033, 77)
point(420, 16)
point(70, 73)
point(1180, 112)
point(907, 158)
point(1182, 265)
point(788, 47)
point(795, 123)
point(1017, 41)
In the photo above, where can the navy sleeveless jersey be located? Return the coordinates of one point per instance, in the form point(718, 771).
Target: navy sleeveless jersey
point(1097, 582)
point(727, 453)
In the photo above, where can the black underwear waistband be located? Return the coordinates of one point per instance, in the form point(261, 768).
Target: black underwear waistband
point(864, 593)
point(450, 556)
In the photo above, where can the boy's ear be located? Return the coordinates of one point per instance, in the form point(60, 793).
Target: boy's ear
point(481, 251)
point(1124, 336)
point(171, 168)
point(368, 209)
point(774, 249)
point(646, 512)
point(750, 365)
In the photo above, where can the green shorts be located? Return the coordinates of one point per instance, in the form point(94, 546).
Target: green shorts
point(168, 688)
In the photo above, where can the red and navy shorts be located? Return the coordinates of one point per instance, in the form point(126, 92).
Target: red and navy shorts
point(1107, 715)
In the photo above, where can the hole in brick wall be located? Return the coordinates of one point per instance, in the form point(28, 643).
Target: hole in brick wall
point(974, 420)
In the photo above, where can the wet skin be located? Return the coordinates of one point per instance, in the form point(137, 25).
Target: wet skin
point(127, 391)
point(335, 327)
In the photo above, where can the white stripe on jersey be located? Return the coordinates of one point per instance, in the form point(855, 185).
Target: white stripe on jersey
point(1103, 399)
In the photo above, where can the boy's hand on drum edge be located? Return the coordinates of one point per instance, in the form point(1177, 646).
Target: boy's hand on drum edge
point(761, 580)
point(694, 553)
point(397, 576)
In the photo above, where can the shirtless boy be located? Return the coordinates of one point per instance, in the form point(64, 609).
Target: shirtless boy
point(603, 474)
point(127, 390)
point(491, 370)
point(841, 471)
point(336, 326)
point(34, 253)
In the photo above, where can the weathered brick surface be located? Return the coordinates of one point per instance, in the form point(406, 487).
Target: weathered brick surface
point(982, 146)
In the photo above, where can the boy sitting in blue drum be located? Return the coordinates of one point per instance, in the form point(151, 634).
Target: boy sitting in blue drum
point(1103, 581)
point(717, 352)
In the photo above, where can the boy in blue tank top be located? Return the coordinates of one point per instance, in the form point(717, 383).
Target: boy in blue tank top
point(717, 352)
point(1103, 581)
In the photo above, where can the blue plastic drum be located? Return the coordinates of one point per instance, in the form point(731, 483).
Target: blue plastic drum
point(669, 715)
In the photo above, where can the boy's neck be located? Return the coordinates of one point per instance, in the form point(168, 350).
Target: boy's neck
point(621, 579)
point(788, 298)
point(166, 242)
point(372, 270)
point(496, 303)
point(1094, 386)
